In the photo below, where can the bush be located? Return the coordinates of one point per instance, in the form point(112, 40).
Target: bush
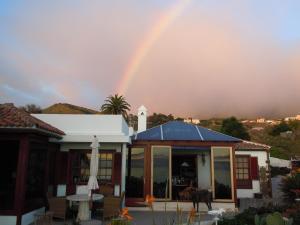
point(277, 129)
point(247, 217)
point(283, 171)
point(279, 153)
point(288, 184)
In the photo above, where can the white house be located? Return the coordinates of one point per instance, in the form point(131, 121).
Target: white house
point(250, 158)
point(113, 134)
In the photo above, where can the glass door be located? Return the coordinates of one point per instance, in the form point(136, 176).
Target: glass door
point(222, 173)
point(161, 172)
point(135, 173)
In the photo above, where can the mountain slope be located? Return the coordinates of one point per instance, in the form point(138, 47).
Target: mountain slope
point(65, 108)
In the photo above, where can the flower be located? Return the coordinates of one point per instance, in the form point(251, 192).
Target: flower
point(124, 214)
point(149, 200)
point(192, 215)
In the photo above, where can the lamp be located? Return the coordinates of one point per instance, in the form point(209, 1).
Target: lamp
point(185, 164)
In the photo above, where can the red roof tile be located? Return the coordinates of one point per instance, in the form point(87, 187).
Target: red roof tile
point(249, 145)
point(11, 116)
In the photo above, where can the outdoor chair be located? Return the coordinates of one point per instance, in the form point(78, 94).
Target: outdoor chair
point(112, 206)
point(58, 207)
point(106, 190)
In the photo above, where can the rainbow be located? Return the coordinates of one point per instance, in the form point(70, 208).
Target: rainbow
point(146, 44)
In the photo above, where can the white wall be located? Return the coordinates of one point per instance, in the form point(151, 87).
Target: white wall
point(103, 146)
point(203, 171)
point(262, 158)
point(280, 162)
point(81, 128)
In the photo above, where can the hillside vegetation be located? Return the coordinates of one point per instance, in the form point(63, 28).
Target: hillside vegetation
point(65, 108)
point(282, 146)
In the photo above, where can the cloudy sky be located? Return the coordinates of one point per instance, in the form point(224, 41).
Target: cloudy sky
point(199, 58)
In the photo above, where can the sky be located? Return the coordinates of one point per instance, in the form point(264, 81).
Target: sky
point(198, 58)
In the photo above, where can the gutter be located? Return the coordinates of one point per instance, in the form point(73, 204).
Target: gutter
point(32, 129)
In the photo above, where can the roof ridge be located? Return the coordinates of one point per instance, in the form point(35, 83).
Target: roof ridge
point(197, 128)
point(258, 144)
point(219, 132)
point(11, 116)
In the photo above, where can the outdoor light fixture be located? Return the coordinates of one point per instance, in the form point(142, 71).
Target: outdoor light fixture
point(185, 164)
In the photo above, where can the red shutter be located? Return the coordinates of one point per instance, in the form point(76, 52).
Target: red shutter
point(254, 168)
point(117, 168)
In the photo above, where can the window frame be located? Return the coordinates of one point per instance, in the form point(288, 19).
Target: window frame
point(76, 153)
point(231, 155)
point(243, 183)
point(112, 168)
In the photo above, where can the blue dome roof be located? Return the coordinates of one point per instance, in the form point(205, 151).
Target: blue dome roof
point(180, 131)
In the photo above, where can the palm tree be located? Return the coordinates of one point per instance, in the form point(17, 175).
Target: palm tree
point(116, 104)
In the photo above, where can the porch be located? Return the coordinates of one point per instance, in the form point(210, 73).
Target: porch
point(167, 172)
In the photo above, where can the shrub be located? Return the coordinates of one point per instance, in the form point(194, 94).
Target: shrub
point(288, 184)
point(277, 129)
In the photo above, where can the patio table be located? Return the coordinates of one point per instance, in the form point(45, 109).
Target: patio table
point(83, 199)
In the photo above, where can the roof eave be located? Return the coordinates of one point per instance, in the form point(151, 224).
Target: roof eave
point(31, 129)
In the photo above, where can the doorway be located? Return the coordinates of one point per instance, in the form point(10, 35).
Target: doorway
point(135, 181)
point(161, 172)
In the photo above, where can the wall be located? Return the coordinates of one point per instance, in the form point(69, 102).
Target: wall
point(108, 146)
point(81, 128)
point(262, 158)
point(280, 162)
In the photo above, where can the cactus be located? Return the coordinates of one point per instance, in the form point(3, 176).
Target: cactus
point(259, 221)
point(272, 219)
point(277, 219)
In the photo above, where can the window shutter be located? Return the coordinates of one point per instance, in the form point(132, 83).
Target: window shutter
point(117, 168)
point(254, 168)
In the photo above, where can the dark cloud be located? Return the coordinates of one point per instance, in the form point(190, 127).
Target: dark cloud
point(211, 61)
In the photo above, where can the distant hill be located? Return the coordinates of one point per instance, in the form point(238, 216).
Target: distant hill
point(65, 108)
point(281, 147)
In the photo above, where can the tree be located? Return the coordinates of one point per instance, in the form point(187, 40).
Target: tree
point(277, 129)
point(31, 108)
point(133, 121)
point(233, 127)
point(116, 104)
point(158, 118)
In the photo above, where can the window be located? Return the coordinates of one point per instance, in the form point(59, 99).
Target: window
point(105, 166)
point(35, 181)
point(243, 174)
point(81, 167)
point(242, 168)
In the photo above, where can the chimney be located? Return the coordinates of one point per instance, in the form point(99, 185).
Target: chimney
point(142, 119)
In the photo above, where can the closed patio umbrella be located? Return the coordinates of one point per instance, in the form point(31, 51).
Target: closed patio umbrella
point(93, 183)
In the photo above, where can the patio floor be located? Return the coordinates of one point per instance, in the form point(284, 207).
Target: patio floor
point(145, 218)
point(143, 215)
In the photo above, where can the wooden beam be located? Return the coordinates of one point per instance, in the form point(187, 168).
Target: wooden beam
point(20, 190)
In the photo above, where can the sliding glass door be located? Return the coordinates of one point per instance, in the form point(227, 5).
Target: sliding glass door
point(161, 172)
point(222, 178)
point(135, 173)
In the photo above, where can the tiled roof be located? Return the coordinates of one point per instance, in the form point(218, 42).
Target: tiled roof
point(180, 131)
point(249, 145)
point(13, 117)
